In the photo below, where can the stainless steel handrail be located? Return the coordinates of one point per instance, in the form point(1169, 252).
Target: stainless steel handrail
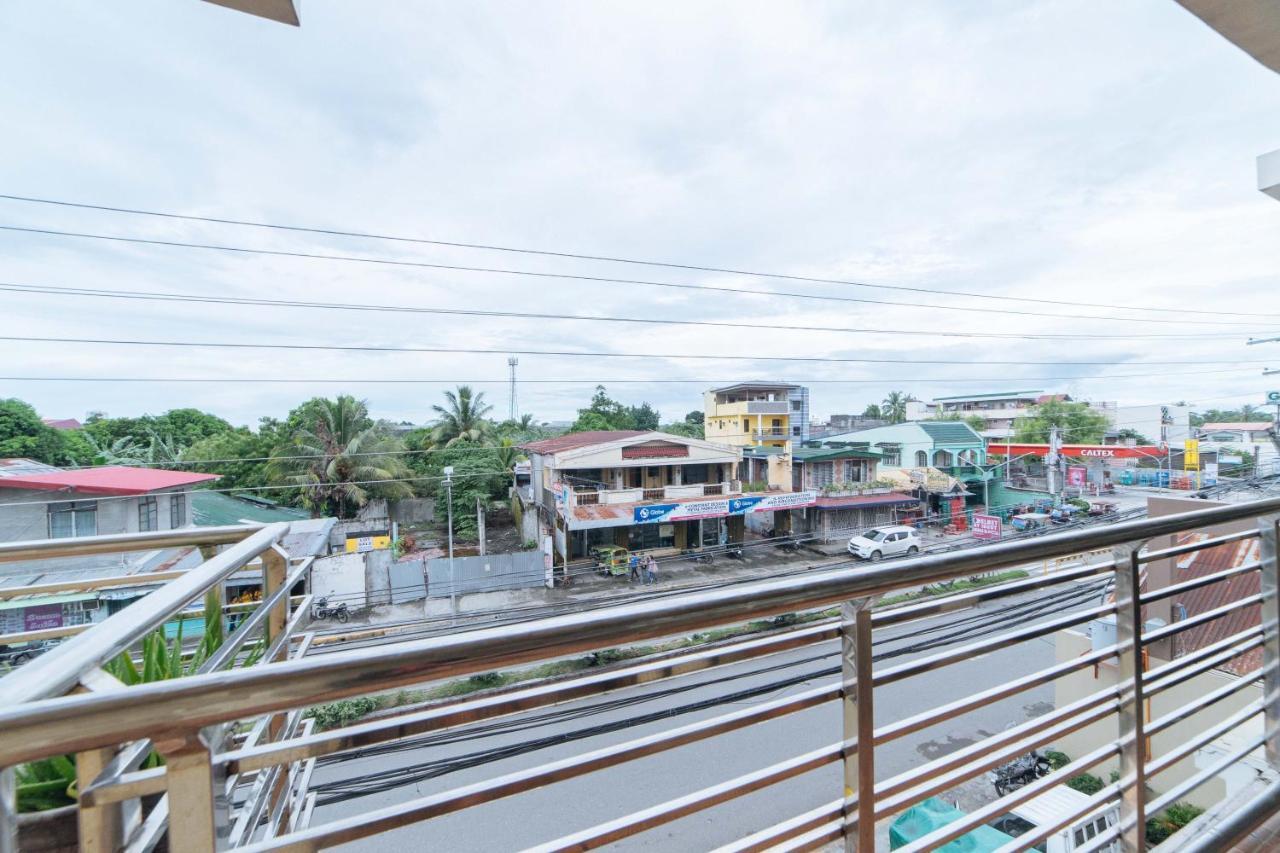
point(59, 670)
point(38, 728)
point(116, 543)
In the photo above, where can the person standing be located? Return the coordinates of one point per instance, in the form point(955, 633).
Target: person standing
point(651, 570)
point(635, 568)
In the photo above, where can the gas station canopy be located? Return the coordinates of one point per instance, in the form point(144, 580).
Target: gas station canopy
point(1083, 451)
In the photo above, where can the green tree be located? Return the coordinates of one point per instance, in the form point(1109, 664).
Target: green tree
point(240, 457)
point(872, 411)
point(643, 417)
point(693, 425)
point(975, 422)
point(334, 460)
point(22, 433)
point(1131, 433)
point(1079, 423)
point(894, 407)
point(462, 419)
point(604, 413)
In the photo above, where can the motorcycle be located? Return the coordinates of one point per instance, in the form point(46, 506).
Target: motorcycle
point(322, 610)
point(734, 554)
point(1021, 771)
point(698, 556)
point(789, 546)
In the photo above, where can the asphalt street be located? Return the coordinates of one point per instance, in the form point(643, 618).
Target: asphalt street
point(541, 815)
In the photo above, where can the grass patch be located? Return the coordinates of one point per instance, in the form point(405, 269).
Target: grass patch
point(337, 714)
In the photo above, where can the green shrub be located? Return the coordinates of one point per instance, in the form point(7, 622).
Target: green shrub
point(1057, 760)
point(345, 711)
point(46, 784)
point(1086, 783)
point(486, 680)
point(1170, 821)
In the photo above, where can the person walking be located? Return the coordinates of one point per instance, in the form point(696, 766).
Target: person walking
point(635, 568)
point(651, 570)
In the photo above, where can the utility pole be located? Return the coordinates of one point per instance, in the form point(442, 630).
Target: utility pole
point(1053, 461)
point(453, 589)
point(513, 411)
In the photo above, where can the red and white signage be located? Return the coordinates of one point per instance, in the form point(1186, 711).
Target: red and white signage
point(1081, 451)
point(986, 527)
point(1076, 475)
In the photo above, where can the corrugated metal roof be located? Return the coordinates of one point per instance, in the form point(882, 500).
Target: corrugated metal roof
point(213, 509)
point(890, 499)
point(111, 480)
point(748, 386)
point(816, 454)
point(574, 440)
point(950, 432)
point(1197, 564)
point(1000, 395)
point(18, 467)
point(1241, 426)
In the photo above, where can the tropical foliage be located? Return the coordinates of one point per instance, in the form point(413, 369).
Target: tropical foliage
point(606, 413)
point(894, 406)
point(1079, 423)
point(462, 418)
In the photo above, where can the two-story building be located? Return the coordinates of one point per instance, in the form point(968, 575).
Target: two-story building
point(649, 491)
point(757, 414)
point(999, 410)
point(845, 478)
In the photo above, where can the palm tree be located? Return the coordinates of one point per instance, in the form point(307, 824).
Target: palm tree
point(337, 460)
point(463, 419)
point(894, 407)
point(122, 451)
point(507, 455)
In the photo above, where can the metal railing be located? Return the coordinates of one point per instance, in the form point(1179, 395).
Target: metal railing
point(110, 780)
point(180, 714)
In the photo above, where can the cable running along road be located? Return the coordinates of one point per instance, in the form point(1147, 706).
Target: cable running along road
point(204, 298)
point(774, 294)
point(366, 235)
point(697, 356)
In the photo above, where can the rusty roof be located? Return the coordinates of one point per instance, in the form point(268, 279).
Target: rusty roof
point(1219, 558)
point(574, 440)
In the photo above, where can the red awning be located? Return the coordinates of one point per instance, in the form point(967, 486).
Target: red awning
point(1081, 451)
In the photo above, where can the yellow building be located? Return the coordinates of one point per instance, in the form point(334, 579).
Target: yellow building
point(757, 414)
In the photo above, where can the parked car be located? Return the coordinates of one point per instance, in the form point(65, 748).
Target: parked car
point(881, 542)
point(20, 653)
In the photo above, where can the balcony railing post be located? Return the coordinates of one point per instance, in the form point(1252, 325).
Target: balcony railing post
point(198, 808)
point(275, 569)
point(859, 723)
point(1133, 775)
point(8, 810)
point(1270, 574)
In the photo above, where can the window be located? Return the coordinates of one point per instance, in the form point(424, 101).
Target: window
point(746, 425)
point(797, 405)
point(892, 456)
point(942, 459)
point(73, 518)
point(178, 510)
point(922, 459)
point(147, 512)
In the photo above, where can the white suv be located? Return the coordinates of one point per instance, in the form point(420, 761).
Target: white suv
point(885, 542)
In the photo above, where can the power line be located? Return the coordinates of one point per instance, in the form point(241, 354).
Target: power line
point(158, 296)
point(590, 278)
point(597, 354)
point(603, 258)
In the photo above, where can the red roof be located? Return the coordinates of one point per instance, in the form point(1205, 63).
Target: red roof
point(62, 423)
point(574, 440)
point(1209, 561)
point(112, 480)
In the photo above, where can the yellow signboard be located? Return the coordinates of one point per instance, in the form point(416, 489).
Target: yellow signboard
point(1191, 455)
point(359, 543)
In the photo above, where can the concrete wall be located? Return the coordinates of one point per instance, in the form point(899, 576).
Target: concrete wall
point(413, 511)
point(1072, 644)
point(20, 519)
point(341, 578)
point(521, 570)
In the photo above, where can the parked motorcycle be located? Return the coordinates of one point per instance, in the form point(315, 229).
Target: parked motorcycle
point(1021, 771)
point(698, 556)
point(734, 554)
point(789, 546)
point(322, 610)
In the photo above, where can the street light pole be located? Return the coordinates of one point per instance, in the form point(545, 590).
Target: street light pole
point(453, 589)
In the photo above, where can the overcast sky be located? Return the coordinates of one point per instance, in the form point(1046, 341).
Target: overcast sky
point(1092, 152)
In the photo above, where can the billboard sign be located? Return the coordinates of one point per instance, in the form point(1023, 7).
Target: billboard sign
point(1211, 473)
point(42, 616)
point(1191, 455)
point(986, 526)
point(1076, 475)
point(717, 508)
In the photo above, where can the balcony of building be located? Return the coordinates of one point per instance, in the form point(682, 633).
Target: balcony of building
point(241, 756)
point(611, 497)
point(743, 408)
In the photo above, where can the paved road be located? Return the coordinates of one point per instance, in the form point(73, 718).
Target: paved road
point(542, 815)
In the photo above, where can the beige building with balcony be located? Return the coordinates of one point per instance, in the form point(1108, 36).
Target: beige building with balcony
point(645, 491)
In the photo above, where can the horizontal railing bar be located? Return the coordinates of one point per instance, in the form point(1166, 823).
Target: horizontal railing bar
point(42, 728)
point(56, 671)
point(147, 579)
point(1189, 547)
point(1196, 583)
point(969, 598)
point(1099, 801)
point(390, 817)
point(1199, 619)
point(1201, 664)
point(936, 661)
point(1230, 829)
point(815, 839)
point(940, 774)
point(1154, 676)
point(933, 716)
point(116, 543)
point(1196, 705)
point(252, 757)
point(768, 838)
point(44, 634)
point(723, 792)
point(1167, 760)
point(983, 815)
point(125, 786)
